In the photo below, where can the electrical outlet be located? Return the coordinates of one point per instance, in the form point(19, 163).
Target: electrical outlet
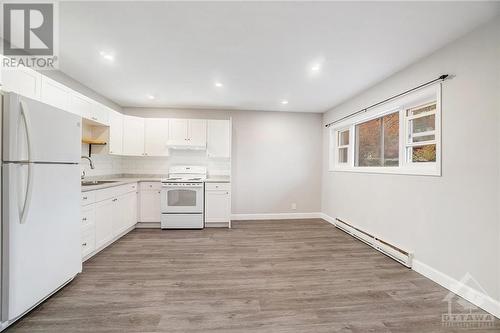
point(294, 206)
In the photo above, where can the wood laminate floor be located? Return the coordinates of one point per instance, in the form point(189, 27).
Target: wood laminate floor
point(266, 276)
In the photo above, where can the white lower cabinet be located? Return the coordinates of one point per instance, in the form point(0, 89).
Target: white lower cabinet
point(88, 230)
point(104, 212)
point(110, 216)
point(127, 204)
point(217, 204)
point(149, 202)
point(88, 240)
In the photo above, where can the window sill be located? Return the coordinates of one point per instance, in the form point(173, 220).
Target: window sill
point(434, 171)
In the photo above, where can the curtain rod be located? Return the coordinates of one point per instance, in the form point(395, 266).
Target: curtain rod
point(441, 78)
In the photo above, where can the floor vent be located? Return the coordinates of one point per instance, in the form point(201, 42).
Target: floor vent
point(401, 256)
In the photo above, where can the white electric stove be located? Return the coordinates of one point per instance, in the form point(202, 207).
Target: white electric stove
point(182, 198)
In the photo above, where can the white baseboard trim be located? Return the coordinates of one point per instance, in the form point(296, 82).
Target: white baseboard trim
point(148, 225)
point(474, 296)
point(327, 218)
point(275, 216)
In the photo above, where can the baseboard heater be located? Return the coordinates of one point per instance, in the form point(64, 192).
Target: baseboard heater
point(401, 256)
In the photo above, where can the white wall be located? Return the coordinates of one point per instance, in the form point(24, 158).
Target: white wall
point(451, 223)
point(276, 158)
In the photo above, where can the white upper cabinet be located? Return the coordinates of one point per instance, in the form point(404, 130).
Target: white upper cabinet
point(100, 113)
point(115, 133)
point(56, 94)
point(29, 83)
point(178, 132)
point(188, 133)
point(94, 112)
point(23, 81)
point(219, 138)
point(81, 105)
point(156, 136)
point(197, 133)
point(133, 136)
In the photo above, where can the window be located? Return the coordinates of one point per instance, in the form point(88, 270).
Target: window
point(400, 137)
point(343, 147)
point(377, 141)
point(421, 133)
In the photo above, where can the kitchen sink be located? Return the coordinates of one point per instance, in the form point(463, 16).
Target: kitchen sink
point(97, 182)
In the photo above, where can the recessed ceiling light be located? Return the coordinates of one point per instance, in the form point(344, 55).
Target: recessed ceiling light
point(316, 68)
point(218, 84)
point(284, 102)
point(151, 96)
point(107, 56)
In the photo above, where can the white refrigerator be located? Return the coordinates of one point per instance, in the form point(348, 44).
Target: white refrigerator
point(40, 228)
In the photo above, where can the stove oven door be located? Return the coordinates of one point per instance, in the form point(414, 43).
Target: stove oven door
point(184, 198)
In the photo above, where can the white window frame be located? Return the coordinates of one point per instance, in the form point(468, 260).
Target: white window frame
point(338, 147)
point(406, 165)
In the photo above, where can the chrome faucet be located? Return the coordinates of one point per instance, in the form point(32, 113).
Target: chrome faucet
point(90, 162)
point(91, 166)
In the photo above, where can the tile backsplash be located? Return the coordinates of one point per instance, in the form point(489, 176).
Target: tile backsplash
point(106, 164)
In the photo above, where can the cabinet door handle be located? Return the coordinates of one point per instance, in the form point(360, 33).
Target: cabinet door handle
point(84, 198)
point(84, 244)
point(84, 219)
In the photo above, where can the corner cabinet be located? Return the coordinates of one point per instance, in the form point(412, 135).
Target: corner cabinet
point(218, 205)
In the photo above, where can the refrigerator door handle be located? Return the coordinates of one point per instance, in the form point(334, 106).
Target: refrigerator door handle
point(29, 187)
point(27, 198)
point(27, 125)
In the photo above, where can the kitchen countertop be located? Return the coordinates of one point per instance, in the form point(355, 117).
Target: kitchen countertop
point(128, 179)
point(218, 179)
point(117, 182)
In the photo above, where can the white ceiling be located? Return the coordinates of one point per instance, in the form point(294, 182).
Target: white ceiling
point(262, 52)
